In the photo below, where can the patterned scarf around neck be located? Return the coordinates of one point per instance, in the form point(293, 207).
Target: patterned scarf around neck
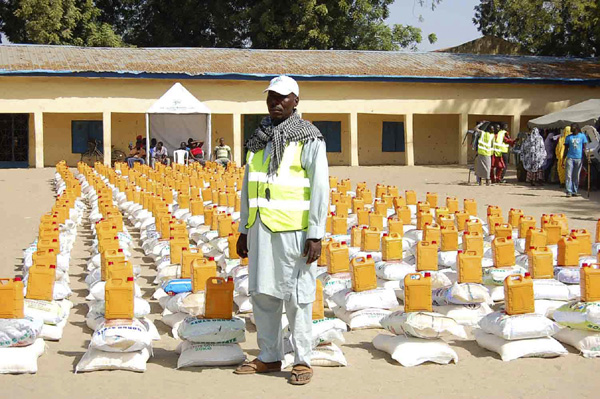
point(293, 129)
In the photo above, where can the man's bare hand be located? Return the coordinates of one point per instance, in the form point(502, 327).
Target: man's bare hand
point(312, 250)
point(242, 246)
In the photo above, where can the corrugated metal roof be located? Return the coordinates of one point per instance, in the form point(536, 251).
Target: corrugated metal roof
point(196, 62)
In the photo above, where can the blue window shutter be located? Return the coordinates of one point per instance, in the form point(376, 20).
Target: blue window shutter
point(332, 131)
point(84, 131)
point(392, 137)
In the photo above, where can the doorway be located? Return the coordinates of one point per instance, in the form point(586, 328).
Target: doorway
point(14, 140)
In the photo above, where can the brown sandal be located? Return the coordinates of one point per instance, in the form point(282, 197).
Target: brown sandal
point(301, 375)
point(258, 367)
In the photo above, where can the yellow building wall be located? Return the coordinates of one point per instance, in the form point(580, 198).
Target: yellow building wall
point(335, 158)
point(369, 140)
point(125, 128)
point(435, 139)
point(222, 126)
point(524, 120)
point(57, 137)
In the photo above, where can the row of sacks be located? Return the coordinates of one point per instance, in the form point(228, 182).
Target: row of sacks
point(117, 344)
point(22, 339)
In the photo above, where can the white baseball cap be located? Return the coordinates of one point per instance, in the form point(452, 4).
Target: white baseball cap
point(283, 85)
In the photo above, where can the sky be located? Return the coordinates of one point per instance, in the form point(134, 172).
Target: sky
point(451, 21)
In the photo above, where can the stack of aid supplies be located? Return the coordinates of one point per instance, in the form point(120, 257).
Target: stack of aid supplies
point(46, 261)
point(327, 333)
point(517, 331)
point(418, 331)
point(122, 337)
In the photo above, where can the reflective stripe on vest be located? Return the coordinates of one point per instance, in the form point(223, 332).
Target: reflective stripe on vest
point(485, 144)
point(500, 146)
point(287, 204)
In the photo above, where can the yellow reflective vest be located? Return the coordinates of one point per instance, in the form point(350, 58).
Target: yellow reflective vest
point(283, 200)
point(485, 144)
point(500, 147)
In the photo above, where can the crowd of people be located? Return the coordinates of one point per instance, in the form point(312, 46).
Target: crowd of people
point(547, 156)
point(193, 152)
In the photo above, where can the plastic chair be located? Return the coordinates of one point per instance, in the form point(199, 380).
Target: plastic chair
point(181, 157)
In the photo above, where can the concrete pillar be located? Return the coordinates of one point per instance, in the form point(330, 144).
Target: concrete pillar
point(38, 126)
point(463, 126)
point(409, 149)
point(515, 125)
point(237, 139)
point(107, 136)
point(353, 139)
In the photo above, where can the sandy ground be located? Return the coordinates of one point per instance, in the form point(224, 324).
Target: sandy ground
point(26, 194)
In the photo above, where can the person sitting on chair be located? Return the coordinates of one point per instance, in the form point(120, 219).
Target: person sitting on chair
point(160, 154)
point(222, 153)
point(197, 153)
point(137, 153)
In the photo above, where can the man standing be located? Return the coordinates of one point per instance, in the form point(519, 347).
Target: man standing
point(505, 156)
point(483, 162)
point(222, 153)
point(283, 215)
point(575, 148)
point(500, 148)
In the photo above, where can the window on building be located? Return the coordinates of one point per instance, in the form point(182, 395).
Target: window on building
point(392, 137)
point(83, 132)
point(332, 131)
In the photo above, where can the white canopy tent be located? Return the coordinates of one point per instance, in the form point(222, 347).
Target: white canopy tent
point(177, 116)
point(584, 113)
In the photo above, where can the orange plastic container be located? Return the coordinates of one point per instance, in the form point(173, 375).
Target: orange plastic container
point(417, 292)
point(40, 283)
point(380, 189)
point(232, 245)
point(514, 217)
point(367, 196)
point(536, 238)
point(411, 197)
point(120, 269)
point(361, 185)
point(461, 218)
point(525, 224)
point(452, 204)
point(398, 202)
point(432, 199)
point(357, 203)
point(376, 221)
point(337, 257)
point(318, 308)
point(493, 210)
point(197, 207)
point(329, 223)
point(432, 232)
point(553, 230)
point(469, 267)
point(503, 250)
point(395, 225)
point(176, 249)
point(446, 221)
point(423, 207)
point(322, 261)
point(388, 200)
point(423, 218)
point(45, 244)
point(110, 255)
point(219, 298)
point(518, 294)
point(380, 208)
point(561, 218)
point(202, 270)
point(391, 246)
point(363, 274)
point(598, 231)
point(341, 209)
point(503, 230)
point(11, 298)
point(427, 256)
point(215, 220)
point(493, 221)
point(470, 206)
point(363, 217)
point(339, 225)
point(441, 211)
point(590, 282)
point(370, 239)
point(225, 226)
point(541, 262)
point(474, 226)
point(449, 238)
point(355, 236)
point(119, 298)
point(473, 242)
point(585, 241)
point(393, 191)
point(404, 214)
point(568, 252)
point(187, 258)
point(46, 258)
point(333, 181)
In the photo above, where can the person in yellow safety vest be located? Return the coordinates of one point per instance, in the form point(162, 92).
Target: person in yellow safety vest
point(505, 155)
point(284, 203)
point(483, 162)
point(501, 145)
point(222, 153)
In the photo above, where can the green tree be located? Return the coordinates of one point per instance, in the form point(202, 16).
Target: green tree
point(544, 27)
point(72, 22)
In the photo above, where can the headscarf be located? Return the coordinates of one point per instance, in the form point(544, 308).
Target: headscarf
point(534, 151)
point(560, 154)
point(293, 129)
